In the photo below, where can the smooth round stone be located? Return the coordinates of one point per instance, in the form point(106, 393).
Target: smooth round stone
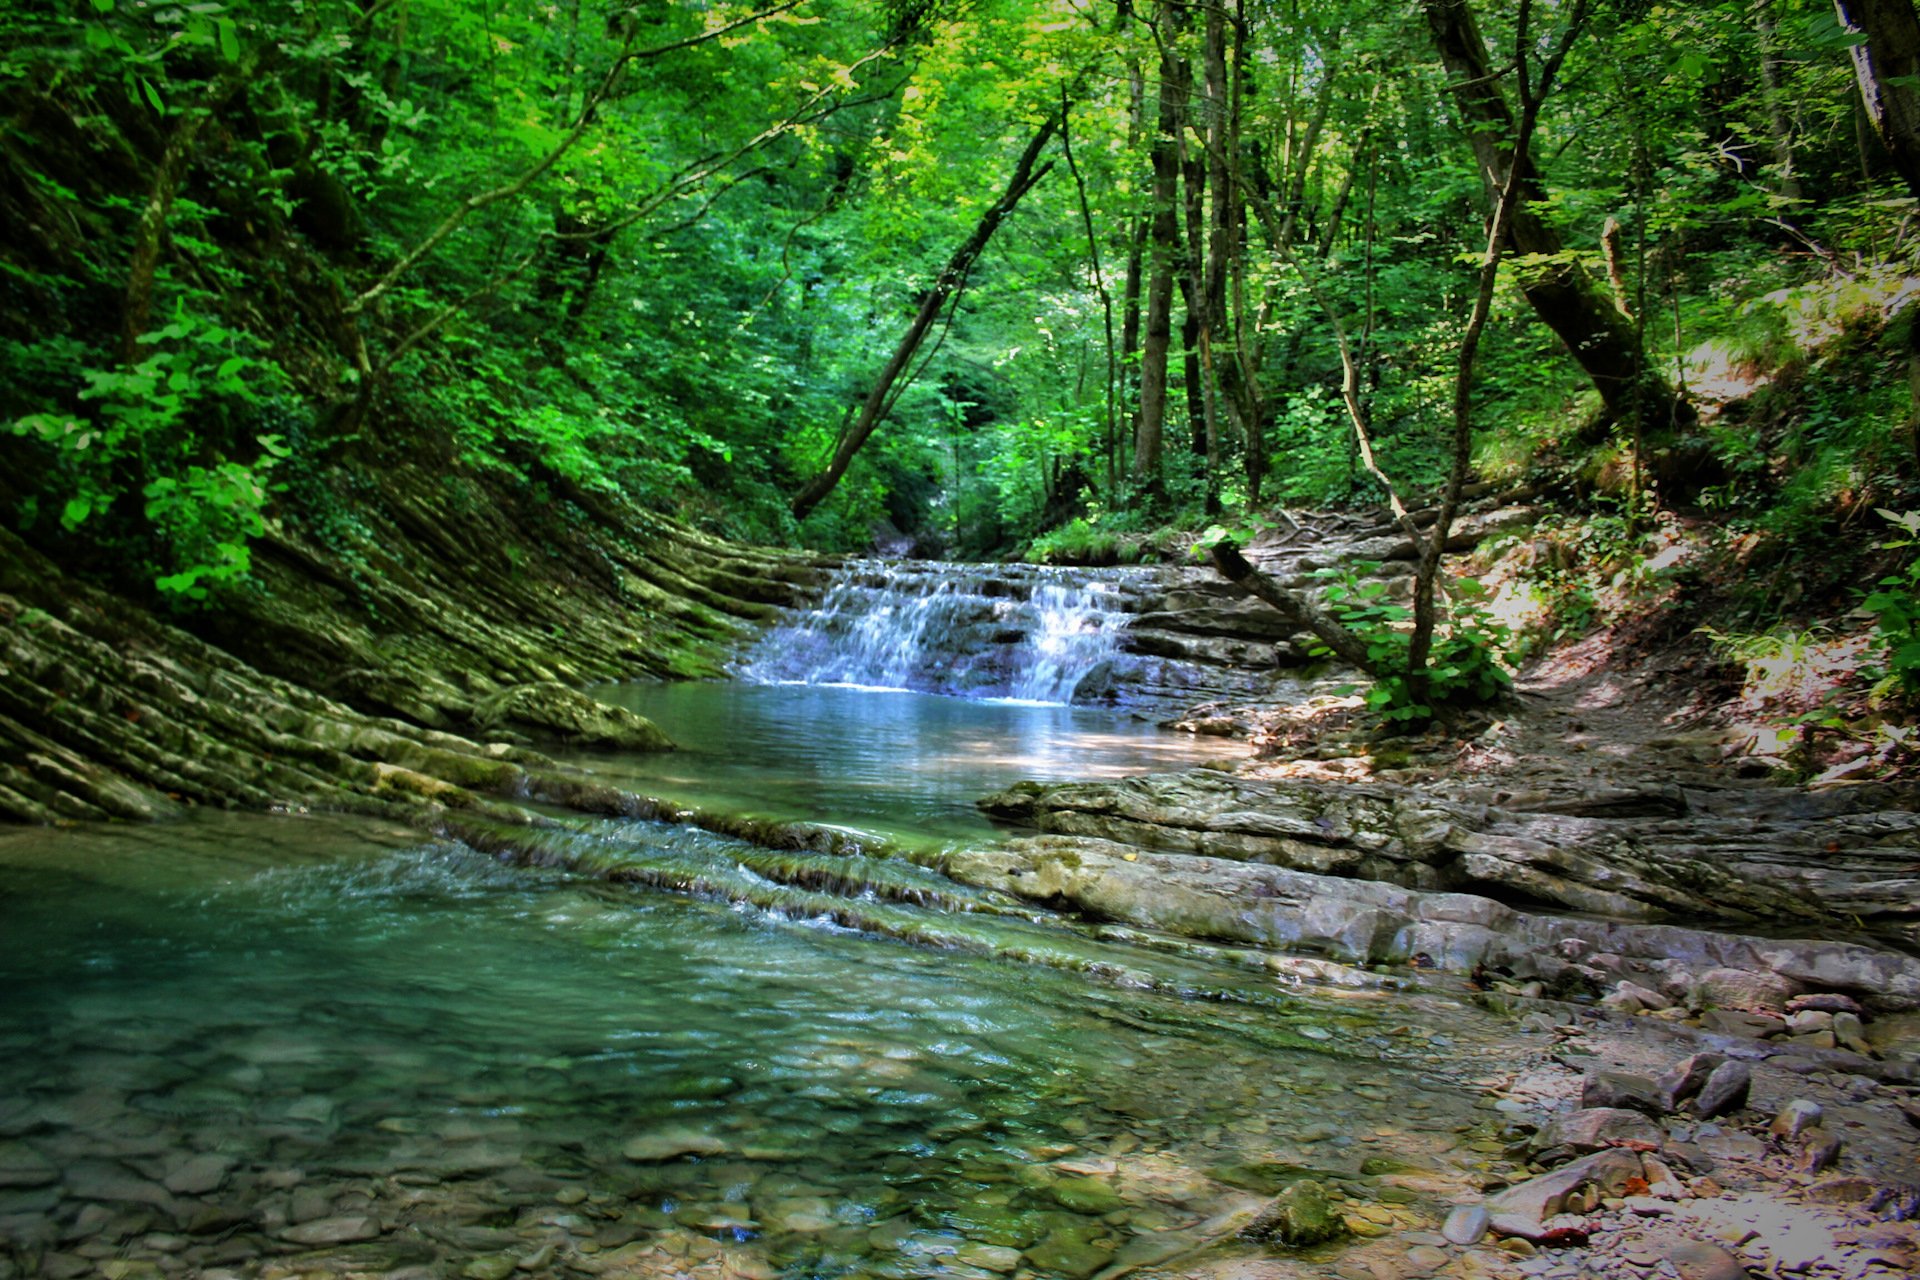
point(988, 1257)
point(1696, 1260)
point(1466, 1224)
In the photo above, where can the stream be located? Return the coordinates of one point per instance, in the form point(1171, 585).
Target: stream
point(246, 1045)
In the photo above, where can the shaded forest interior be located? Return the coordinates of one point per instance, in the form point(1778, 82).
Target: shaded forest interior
point(1000, 278)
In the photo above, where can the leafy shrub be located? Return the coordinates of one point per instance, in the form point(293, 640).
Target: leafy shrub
point(1895, 609)
point(155, 429)
point(1080, 541)
point(1466, 665)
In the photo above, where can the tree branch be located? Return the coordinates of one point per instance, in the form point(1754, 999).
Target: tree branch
point(474, 203)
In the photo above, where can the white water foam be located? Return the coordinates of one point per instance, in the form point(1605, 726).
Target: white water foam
point(1014, 633)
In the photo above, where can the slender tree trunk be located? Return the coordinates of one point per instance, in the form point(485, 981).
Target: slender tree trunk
point(1887, 65)
point(1210, 239)
point(1559, 289)
point(1779, 130)
point(1150, 431)
point(173, 164)
point(947, 284)
point(1508, 203)
point(1110, 443)
point(1227, 281)
point(1131, 288)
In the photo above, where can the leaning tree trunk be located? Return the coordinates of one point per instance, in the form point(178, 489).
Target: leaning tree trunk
point(1294, 607)
point(950, 281)
point(1561, 291)
point(1886, 62)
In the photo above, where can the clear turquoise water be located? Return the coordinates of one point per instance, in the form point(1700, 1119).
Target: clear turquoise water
point(898, 762)
point(221, 1040)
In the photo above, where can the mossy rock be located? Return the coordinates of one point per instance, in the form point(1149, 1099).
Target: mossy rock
point(1086, 1195)
point(1298, 1217)
point(992, 1224)
point(1264, 1176)
point(1068, 1253)
point(555, 710)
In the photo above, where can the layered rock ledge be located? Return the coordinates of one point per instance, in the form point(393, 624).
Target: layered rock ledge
point(1647, 854)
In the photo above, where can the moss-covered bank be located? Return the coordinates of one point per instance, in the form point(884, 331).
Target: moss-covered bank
point(410, 670)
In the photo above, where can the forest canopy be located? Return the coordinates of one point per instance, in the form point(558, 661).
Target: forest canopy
point(974, 278)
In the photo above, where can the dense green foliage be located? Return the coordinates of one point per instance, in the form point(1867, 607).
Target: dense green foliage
point(663, 251)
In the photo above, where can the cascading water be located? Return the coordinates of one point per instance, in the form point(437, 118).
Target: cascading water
point(980, 631)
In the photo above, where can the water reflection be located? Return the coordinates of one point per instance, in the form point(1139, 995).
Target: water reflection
point(901, 762)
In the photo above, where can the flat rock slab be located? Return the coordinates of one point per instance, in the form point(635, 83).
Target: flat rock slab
point(672, 1144)
point(1627, 860)
point(22, 1166)
point(199, 1174)
point(324, 1231)
point(1371, 922)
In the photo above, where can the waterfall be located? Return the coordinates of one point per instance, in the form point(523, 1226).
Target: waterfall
point(1022, 632)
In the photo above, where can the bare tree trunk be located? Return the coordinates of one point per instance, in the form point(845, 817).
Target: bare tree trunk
point(1887, 65)
point(1559, 289)
point(947, 284)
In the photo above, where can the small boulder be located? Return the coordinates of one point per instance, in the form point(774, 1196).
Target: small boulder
point(1465, 1225)
point(1724, 1091)
point(1648, 998)
point(1593, 1128)
point(1697, 1260)
point(671, 1144)
point(1299, 1216)
point(1852, 1033)
point(324, 1231)
point(1795, 1118)
point(196, 1175)
point(1686, 1077)
point(1743, 989)
point(1623, 1089)
point(1523, 1210)
point(22, 1166)
point(1809, 1020)
point(1818, 1150)
point(1825, 1002)
point(1748, 1026)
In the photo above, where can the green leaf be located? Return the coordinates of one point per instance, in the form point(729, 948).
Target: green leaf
point(74, 514)
point(152, 95)
point(103, 6)
point(229, 39)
